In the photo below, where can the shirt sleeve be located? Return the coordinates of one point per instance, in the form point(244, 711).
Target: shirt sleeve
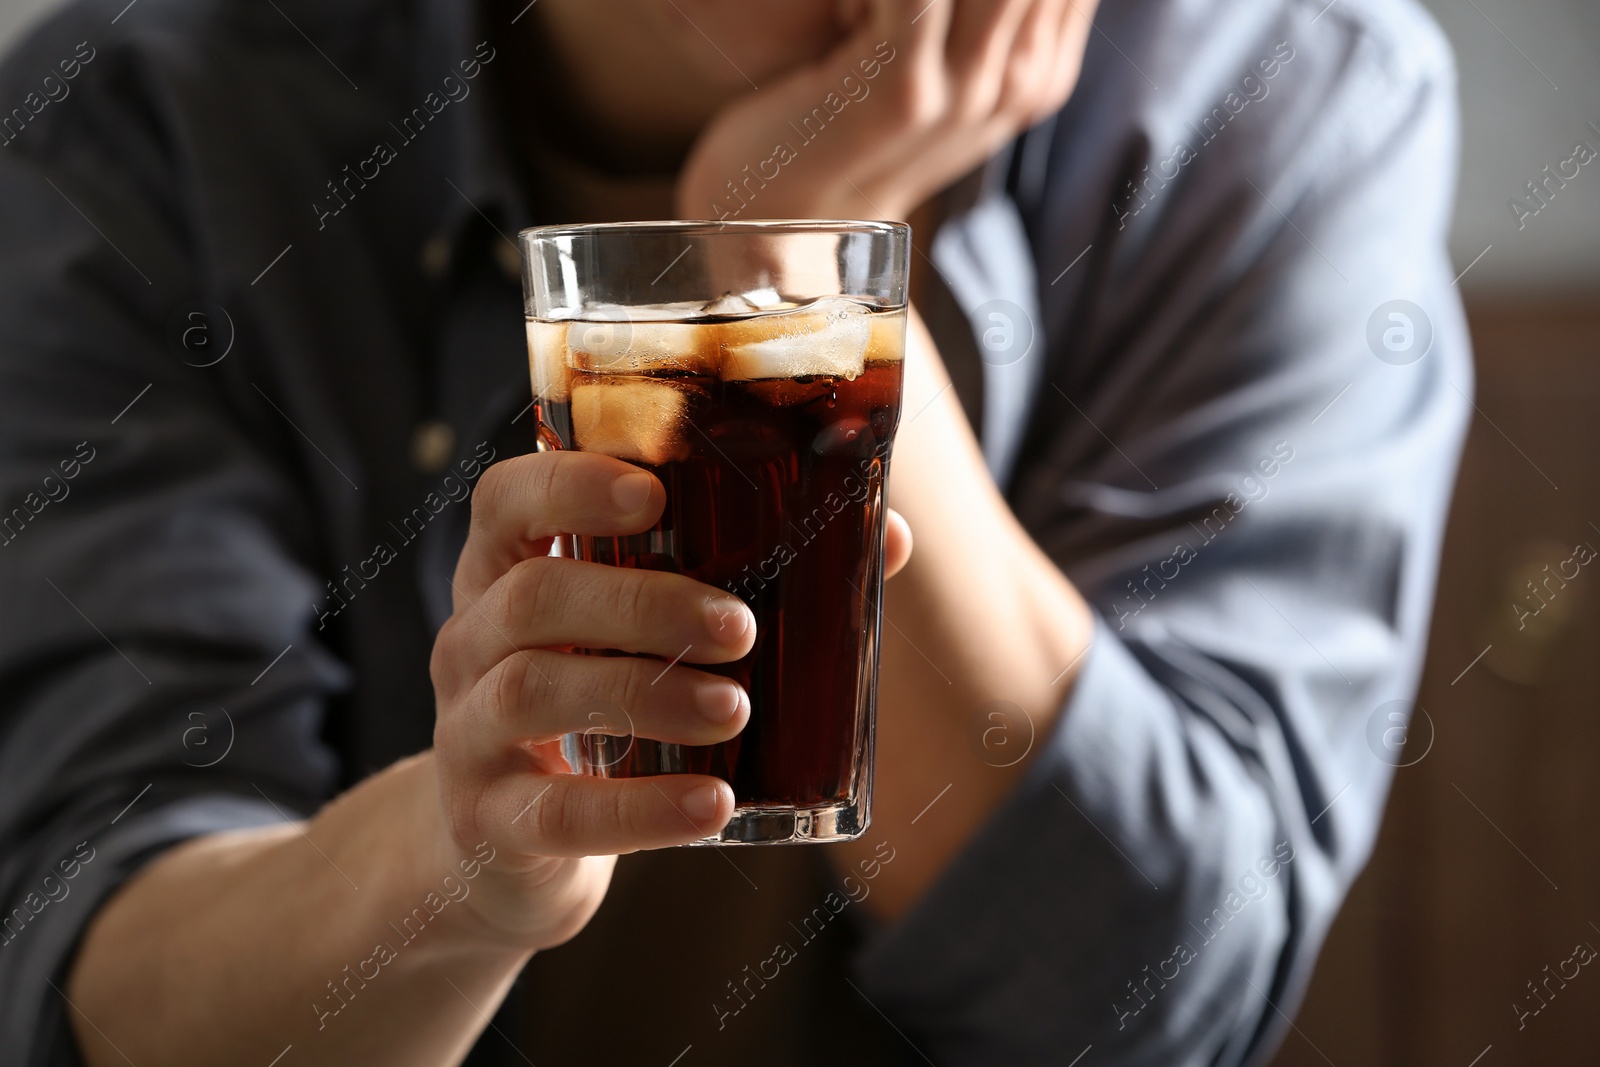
point(158, 675)
point(1248, 480)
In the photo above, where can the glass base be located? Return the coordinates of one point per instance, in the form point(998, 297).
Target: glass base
point(843, 820)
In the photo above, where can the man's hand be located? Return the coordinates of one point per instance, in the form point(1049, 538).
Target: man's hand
point(915, 96)
point(510, 681)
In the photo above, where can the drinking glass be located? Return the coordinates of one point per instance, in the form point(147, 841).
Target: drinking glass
point(755, 369)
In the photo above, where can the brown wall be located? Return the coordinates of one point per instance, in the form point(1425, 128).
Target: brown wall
point(1456, 913)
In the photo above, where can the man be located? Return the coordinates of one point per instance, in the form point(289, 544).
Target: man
point(1176, 471)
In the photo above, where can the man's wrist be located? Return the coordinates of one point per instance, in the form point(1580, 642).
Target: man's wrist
point(423, 880)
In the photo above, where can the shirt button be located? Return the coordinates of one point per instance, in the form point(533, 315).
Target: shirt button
point(432, 445)
point(510, 260)
point(435, 256)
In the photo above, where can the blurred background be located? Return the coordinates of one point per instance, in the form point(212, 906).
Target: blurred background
point(1487, 871)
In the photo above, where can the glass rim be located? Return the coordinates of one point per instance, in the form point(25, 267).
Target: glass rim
point(708, 227)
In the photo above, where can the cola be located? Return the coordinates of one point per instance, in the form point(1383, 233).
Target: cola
point(770, 428)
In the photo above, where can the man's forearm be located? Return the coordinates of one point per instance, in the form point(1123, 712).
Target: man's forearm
point(980, 614)
point(342, 936)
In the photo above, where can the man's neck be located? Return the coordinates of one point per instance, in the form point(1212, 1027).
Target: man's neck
point(608, 97)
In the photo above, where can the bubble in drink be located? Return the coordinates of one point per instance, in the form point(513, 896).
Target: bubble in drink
point(770, 430)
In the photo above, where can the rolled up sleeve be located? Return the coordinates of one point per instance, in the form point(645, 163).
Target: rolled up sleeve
point(159, 677)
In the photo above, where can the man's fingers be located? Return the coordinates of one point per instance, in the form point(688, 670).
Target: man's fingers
point(578, 815)
point(537, 696)
point(981, 33)
point(1029, 61)
point(1077, 22)
point(549, 601)
point(946, 103)
point(520, 504)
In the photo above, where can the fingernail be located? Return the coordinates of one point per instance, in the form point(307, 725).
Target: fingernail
point(631, 491)
point(701, 803)
point(727, 619)
point(720, 702)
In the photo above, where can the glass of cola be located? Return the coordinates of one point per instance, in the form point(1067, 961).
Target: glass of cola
point(755, 369)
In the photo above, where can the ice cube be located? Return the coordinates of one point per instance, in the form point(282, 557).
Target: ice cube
point(630, 346)
point(767, 299)
point(640, 419)
point(827, 337)
point(547, 359)
point(730, 304)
